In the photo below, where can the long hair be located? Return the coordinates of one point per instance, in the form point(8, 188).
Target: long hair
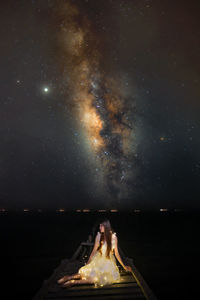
point(106, 236)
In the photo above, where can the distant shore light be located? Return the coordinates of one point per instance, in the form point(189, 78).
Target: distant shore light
point(178, 209)
point(2, 209)
point(163, 209)
point(61, 210)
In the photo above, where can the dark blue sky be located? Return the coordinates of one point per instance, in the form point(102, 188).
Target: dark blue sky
point(153, 46)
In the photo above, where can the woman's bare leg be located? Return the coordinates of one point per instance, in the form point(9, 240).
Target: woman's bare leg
point(79, 281)
point(69, 277)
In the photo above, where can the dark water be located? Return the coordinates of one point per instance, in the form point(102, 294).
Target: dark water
point(164, 247)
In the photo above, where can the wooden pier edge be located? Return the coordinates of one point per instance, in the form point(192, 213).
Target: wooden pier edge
point(148, 293)
point(47, 283)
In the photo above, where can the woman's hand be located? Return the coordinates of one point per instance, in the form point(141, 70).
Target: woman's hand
point(128, 268)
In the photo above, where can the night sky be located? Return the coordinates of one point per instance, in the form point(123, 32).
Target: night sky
point(100, 104)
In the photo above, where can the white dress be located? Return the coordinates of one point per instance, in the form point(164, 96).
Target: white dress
point(102, 270)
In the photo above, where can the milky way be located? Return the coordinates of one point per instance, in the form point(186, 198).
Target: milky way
point(99, 104)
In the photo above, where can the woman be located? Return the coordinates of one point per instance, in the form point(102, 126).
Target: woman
point(101, 268)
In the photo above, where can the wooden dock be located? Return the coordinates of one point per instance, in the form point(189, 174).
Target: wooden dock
point(132, 285)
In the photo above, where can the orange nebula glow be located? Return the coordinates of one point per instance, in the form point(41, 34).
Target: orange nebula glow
point(95, 98)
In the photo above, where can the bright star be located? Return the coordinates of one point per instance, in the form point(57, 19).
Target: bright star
point(46, 89)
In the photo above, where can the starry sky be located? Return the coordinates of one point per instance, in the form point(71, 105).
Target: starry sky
point(100, 104)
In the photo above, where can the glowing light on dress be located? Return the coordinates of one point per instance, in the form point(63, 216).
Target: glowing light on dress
point(102, 270)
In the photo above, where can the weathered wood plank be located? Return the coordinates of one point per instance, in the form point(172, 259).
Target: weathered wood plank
point(90, 289)
point(88, 293)
point(56, 288)
point(114, 297)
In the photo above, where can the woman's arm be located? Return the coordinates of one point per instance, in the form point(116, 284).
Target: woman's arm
point(96, 245)
point(127, 268)
point(117, 252)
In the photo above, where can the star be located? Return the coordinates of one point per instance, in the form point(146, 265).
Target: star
point(46, 89)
